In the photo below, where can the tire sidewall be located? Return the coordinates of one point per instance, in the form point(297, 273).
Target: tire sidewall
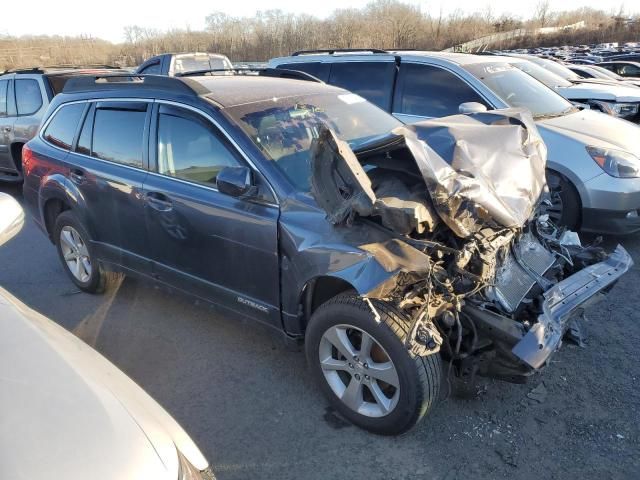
point(67, 218)
point(407, 410)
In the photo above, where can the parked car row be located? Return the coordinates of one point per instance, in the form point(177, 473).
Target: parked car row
point(388, 210)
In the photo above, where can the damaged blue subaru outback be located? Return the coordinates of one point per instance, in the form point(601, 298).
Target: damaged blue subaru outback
point(389, 250)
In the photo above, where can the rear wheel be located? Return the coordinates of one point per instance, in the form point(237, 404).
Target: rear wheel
point(77, 256)
point(362, 366)
point(565, 204)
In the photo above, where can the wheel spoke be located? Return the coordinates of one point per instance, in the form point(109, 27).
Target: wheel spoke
point(69, 256)
point(331, 363)
point(78, 269)
point(352, 396)
point(82, 250)
point(385, 372)
point(339, 339)
point(67, 239)
point(365, 345)
point(380, 398)
point(86, 266)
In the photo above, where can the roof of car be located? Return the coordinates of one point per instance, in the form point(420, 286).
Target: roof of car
point(232, 90)
point(459, 58)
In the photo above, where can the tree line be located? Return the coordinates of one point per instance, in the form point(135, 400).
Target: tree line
point(270, 33)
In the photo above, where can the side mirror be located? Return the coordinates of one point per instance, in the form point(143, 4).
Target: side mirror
point(236, 181)
point(472, 107)
point(11, 217)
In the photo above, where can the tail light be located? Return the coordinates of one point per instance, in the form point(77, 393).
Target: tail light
point(27, 160)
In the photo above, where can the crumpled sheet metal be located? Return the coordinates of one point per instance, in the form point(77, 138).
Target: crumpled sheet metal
point(481, 169)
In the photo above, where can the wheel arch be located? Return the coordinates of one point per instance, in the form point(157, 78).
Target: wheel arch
point(574, 188)
point(16, 154)
point(317, 291)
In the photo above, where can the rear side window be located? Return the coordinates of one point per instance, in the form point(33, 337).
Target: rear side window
point(371, 80)
point(317, 69)
point(118, 135)
point(189, 149)
point(4, 85)
point(429, 91)
point(28, 96)
point(153, 69)
point(63, 126)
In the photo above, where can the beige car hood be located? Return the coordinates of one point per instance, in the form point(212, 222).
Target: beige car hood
point(68, 413)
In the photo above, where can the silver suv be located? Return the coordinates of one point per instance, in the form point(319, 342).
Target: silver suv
point(593, 167)
point(24, 97)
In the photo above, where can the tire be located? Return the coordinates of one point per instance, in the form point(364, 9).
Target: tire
point(417, 378)
point(94, 279)
point(565, 208)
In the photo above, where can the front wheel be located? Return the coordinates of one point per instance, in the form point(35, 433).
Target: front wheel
point(565, 204)
point(356, 353)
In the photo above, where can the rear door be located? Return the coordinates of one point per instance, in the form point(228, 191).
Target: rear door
point(7, 119)
point(221, 248)
point(107, 168)
point(429, 91)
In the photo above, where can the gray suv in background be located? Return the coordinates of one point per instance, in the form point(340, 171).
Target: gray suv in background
point(176, 64)
point(24, 97)
point(593, 165)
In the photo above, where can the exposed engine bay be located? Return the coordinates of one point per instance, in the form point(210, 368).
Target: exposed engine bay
point(486, 278)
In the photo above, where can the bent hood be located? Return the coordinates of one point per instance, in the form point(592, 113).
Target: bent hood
point(484, 169)
point(68, 413)
point(597, 129)
point(597, 91)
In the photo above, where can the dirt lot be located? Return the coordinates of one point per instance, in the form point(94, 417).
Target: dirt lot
point(251, 407)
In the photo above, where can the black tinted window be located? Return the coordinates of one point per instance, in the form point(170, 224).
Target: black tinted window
point(189, 149)
point(317, 69)
point(153, 69)
point(28, 98)
point(4, 84)
point(118, 135)
point(371, 80)
point(432, 92)
point(62, 127)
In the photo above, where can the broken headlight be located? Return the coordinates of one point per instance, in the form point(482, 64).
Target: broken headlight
point(622, 110)
point(616, 162)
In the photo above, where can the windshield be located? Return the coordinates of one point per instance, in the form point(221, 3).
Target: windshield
point(605, 73)
point(520, 90)
point(284, 129)
point(543, 75)
point(558, 69)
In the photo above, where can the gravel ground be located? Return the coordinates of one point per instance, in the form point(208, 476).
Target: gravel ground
point(250, 405)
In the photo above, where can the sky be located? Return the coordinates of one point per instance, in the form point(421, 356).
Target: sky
point(107, 20)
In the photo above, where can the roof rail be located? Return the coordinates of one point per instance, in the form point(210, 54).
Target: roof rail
point(85, 83)
point(260, 72)
point(331, 51)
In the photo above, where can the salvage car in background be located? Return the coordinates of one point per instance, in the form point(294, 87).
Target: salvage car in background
point(387, 248)
point(24, 97)
point(178, 63)
point(593, 167)
point(68, 413)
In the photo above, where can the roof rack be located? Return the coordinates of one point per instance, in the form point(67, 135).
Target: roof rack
point(84, 83)
point(43, 69)
point(331, 51)
point(260, 72)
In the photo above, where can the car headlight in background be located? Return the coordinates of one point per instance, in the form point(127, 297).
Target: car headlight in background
point(189, 472)
point(616, 162)
point(622, 110)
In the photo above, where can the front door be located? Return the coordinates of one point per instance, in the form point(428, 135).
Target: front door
point(7, 119)
point(218, 247)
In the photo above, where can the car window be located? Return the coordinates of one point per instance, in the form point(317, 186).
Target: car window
point(189, 149)
point(370, 80)
point(429, 91)
point(28, 97)
point(629, 71)
point(63, 125)
point(153, 69)
point(118, 135)
point(4, 85)
point(317, 69)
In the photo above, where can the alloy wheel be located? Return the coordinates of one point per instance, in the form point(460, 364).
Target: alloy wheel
point(75, 253)
point(359, 371)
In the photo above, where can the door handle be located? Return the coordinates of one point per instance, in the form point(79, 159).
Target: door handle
point(77, 175)
point(158, 201)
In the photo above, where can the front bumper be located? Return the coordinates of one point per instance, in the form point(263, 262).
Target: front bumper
point(612, 205)
point(562, 300)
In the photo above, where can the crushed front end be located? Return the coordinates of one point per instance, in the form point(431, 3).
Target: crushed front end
point(487, 280)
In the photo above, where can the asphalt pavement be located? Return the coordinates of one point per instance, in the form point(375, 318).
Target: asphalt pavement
point(250, 405)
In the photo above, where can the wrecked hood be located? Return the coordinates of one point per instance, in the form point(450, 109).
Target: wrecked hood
point(485, 169)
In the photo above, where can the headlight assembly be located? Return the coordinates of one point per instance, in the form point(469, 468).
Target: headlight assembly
point(622, 110)
point(616, 162)
point(189, 472)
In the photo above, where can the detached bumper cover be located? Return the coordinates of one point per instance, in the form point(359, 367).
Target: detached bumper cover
point(562, 300)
